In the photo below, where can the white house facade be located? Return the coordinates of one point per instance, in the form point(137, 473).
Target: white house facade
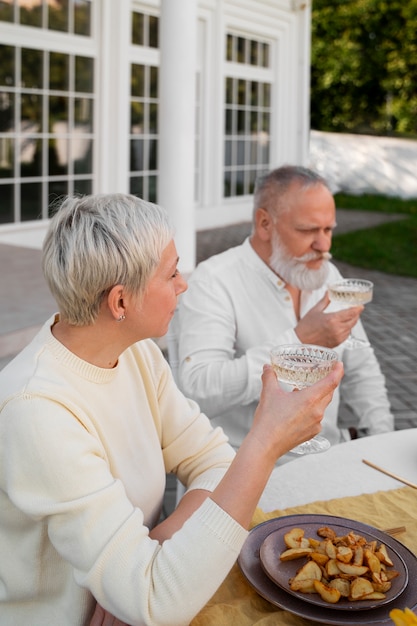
point(181, 102)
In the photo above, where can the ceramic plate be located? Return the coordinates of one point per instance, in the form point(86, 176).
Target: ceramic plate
point(281, 571)
point(250, 565)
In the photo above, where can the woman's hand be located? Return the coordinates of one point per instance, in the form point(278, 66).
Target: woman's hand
point(283, 419)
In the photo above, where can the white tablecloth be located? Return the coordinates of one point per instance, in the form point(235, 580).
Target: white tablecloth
point(339, 471)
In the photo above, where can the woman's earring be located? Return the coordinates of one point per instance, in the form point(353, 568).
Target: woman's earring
point(121, 318)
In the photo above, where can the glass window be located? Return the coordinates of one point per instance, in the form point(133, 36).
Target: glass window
point(145, 30)
point(32, 69)
point(247, 117)
point(67, 16)
point(58, 16)
point(7, 203)
point(30, 12)
point(41, 161)
point(82, 17)
point(7, 65)
point(144, 107)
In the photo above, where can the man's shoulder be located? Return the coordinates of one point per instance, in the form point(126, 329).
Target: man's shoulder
point(222, 262)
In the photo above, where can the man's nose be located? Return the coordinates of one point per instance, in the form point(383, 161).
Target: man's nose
point(323, 241)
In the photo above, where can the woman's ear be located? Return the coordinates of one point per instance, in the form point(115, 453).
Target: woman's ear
point(116, 302)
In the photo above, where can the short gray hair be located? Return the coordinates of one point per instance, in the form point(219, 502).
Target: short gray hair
point(271, 188)
point(98, 241)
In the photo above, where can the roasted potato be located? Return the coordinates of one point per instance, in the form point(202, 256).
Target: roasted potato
point(339, 567)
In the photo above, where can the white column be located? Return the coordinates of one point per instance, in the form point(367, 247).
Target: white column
point(113, 66)
point(178, 29)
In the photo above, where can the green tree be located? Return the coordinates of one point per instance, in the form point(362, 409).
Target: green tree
point(364, 66)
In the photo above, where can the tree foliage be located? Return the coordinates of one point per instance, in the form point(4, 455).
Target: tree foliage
point(364, 66)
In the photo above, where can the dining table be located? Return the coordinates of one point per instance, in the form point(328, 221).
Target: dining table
point(331, 487)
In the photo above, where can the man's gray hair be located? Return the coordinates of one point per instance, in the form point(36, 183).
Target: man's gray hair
point(271, 188)
point(98, 241)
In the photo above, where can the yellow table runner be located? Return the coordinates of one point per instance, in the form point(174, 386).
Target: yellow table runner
point(236, 603)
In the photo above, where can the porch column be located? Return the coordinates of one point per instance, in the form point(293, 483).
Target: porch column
point(178, 49)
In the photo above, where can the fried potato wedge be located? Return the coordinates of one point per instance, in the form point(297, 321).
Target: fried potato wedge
point(359, 588)
point(382, 555)
point(327, 593)
point(295, 539)
point(295, 553)
point(339, 567)
point(342, 585)
point(352, 570)
point(305, 577)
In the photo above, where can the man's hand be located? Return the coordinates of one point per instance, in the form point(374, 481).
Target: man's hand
point(327, 329)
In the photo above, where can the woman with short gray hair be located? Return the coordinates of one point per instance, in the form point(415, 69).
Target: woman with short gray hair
point(91, 421)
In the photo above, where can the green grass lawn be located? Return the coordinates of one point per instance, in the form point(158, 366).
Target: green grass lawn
point(390, 248)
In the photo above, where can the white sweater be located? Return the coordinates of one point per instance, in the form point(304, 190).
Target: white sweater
point(84, 452)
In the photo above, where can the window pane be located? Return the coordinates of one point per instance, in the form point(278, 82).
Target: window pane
point(153, 154)
point(229, 122)
point(138, 80)
point(252, 180)
point(153, 32)
point(267, 95)
point(241, 152)
point(241, 91)
point(265, 152)
point(227, 182)
point(153, 118)
point(241, 50)
point(6, 112)
point(82, 150)
point(240, 183)
point(136, 117)
point(32, 68)
point(241, 118)
point(229, 90)
point(58, 114)
point(31, 12)
point(254, 53)
point(229, 47)
point(31, 157)
point(84, 74)
point(82, 17)
point(30, 201)
point(83, 187)
point(59, 71)
point(6, 161)
point(58, 15)
point(265, 55)
point(6, 11)
point(58, 156)
point(136, 186)
point(136, 155)
point(6, 204)
point(265, 122)
point(153, 86)
point(57, 189)
point(83, 113)
point(137, 29)
point(254, 94)
point(153, 189)
point(7, 65)
point(228, 153)
point(254, 121)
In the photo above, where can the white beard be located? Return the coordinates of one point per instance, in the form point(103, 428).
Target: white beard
point(293, 270)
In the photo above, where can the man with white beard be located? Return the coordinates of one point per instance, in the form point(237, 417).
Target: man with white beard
point(272, 290)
